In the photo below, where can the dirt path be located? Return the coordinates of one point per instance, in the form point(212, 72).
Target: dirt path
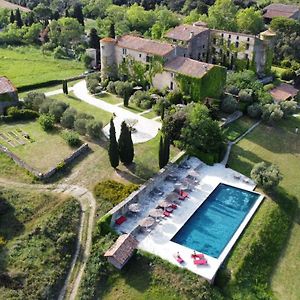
point(84, 240)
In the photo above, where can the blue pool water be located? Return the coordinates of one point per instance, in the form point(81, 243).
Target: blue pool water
point(214, 223)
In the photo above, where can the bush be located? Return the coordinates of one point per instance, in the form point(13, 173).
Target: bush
point(232, 90)
point(272, 113)
point(94, 128)
point(142, 99)
point(246, 95)
point(288, 75)
point(93, 83)
point(72, 138)
point(80, 126)
point(266, 176)
point(175, 98)
point(56, 109)
point(68, 118)
point(160, 104)
point(288, 108)
point(60, 53)
point(113, 191)
point(16, 114)
point(254, 111)
point(34, 100)
point(47, 122)
point(111, 88)
point(286, 63)
point(123, 89)
point(229, 104)
point(269, 87)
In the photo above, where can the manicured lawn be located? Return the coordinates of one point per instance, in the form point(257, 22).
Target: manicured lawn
point(45, 150)
point(237, 128)
point(110, 98)
point(27, 65)
point(281, 146)
point(133, 108)
point(40, 232)
point(81, 106)
point(150, 115)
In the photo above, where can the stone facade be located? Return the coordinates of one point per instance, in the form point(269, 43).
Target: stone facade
point(8, 95)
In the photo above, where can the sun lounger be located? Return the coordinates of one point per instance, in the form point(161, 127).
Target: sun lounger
point(167, 214)
point(197, 256)
point(179, 259)
point(173, 205)
point(169, 209)
point(121, 220)
point(200, 261)
point(184, 194)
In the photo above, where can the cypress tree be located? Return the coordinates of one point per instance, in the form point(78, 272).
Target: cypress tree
point(162, 116)
point(126, 150)
point(161, 153)
point(19, 19)
point(94, 39)
point(113, 151)
point(166, 150)
point(67, 13)
point(78, 13)
point(12, 17)
point(65, 87)
point(112, 31)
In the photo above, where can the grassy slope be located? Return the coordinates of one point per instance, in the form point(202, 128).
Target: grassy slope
point(40, 232)
point(278, 145)
point(27, 65)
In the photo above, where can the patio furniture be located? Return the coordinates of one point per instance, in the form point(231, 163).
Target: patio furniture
point(167, 214)
point(120, 220)
point(183, 194)
point(135, 207)
point(164, 203)
point(173, 205)
point(156, 213)
point(197, 255)
point(200, 261)
point(147, 222)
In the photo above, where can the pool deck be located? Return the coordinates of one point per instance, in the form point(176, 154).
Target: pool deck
point(158, 241)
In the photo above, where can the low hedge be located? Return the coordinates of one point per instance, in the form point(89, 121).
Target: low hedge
point(16, 114)
point(30, 87)
point(103, 225)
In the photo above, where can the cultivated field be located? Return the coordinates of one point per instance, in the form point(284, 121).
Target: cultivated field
point(8, 5)
point(27, 66)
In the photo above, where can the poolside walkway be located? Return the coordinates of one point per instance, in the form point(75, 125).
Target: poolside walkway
point(146, 129)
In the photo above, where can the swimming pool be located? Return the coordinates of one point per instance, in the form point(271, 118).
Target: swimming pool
point(214, 223)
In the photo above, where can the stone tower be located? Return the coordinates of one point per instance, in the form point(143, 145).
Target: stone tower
point(108, 58)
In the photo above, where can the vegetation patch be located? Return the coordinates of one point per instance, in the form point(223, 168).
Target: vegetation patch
point(40, 232)
point(112, 191)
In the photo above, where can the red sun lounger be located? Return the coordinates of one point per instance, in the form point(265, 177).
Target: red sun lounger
point(173, 205)
point(167, 214)
point(121, 220)
point(184, 194)
point(200, 261)
point(179, 259)
point(198, 255)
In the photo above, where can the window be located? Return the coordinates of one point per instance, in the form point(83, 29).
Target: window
point(248, 39)
point(222, 35)
point(247, 46)
point(140, 55)
point(228, 53)
point(199, 56)
point(229, 36)
point(237, 44)
point(203, 47)
point(184, 55)
point(172, 75)
point(214, 41)
point(237, 37)
point(203, 54)
point(124, 59)
point(171, 85)
point(147, 58)
point(124, 51)
point(246, 56)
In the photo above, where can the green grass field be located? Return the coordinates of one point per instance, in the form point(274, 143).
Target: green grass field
point(27, 65)
point(110, 98)
point(39, 232)
point(281, 146)
point(45, 150)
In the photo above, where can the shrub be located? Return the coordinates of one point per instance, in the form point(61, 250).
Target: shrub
point(254, 111)
point(286, 63)
point(288, 75)
point(94, 128)
point(266, 176)
point(288, 108)
point(141, 99)
point(272, 113)
point(113, 191)
point(15, 114)
point(175, 98)
point(57, 108)
point(80, 126)
point(72, 138)
point(123, 88)
point(232, 90)
point(59, 53)
point(160, 104)
point(85, 116)
point(34, 100)
point(269, 87)
point(229, 104)
point(111, 87)
point(47, 122)
point(246, 95)
point(68, 118)
point(92, 85)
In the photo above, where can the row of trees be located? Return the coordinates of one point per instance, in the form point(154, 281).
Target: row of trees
point(121, 150)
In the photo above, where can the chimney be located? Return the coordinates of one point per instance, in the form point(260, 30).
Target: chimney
point(191, 34)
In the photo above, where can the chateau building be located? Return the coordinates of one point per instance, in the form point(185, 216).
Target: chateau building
point(8, 94)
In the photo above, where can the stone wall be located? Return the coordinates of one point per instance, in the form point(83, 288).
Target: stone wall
point(82, 149)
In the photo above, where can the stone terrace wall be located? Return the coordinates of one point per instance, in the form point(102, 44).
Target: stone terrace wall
point(83, 148)
point(146, 188)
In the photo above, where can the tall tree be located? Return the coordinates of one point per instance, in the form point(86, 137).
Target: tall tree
point(113, 149)
point(161, 153)
point(250, 21)
point(19, 18)
point(166, 150)
point(126, 150)
point(112, 32)
point(12, 17)
point(78, 13)
point(94, 39)
point(65, 87)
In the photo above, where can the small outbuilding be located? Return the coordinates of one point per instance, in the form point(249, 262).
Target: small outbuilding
point(121, 251)
point(8, 94)
point(284, 92)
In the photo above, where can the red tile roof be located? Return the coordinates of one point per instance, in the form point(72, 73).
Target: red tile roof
point(187, 66)
point(283, 92)
point(123, 248)
point(185, 32)
point(6, 86)
point(144, 45)
point(108, 40)
point(280, 10)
